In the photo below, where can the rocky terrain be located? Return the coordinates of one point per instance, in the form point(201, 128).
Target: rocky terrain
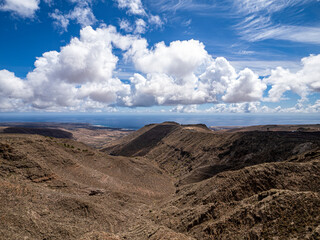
point(94, 136)
point(164, 181)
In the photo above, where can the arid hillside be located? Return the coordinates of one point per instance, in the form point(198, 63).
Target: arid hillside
point(235, 185)
point(164, 181)
point(61, 189)
point(194, 153)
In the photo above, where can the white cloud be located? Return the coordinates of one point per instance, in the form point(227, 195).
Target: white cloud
point(83, 15)
point(258, 23)
point(23, 8)
point(185, 109)
point(263, 68)
point(49, 2)
point(12, 92)
point(161, 89)
point(217, 76)
point(171, 74)
point(184, 73)
point(187, 23)
point(303, 82)
point(181, 73)
point(180, 59)
point(134, 6)
point(81, 77)
point(125, 25)
point(13, 87)
point(269, 6)
point(246, 52)
point(155, 20)
point(252, 107)
point(290, 33)
point(247, 87)
point(257, 107)
point(300, 107)
point(60, 20)
point(141, 26)
point(220, 78)
point(315, 108)
point(88, 62)
point(189, 5)
point(81, 72)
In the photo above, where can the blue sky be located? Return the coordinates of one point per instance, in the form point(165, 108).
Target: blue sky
point(202, 56)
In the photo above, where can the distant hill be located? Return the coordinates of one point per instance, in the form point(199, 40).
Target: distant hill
point(48, 132)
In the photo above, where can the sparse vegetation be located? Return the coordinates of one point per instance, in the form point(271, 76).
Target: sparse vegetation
point(168, 182)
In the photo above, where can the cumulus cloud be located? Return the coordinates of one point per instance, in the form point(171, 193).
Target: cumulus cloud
point(170, 74)
point(257, 107)
point(22, 8)
point(314, 108)
point(180, 59)
point(12, 92)
point(247, 87)
point(303, 82)
point(161, 89)
point(81, 77)
point(181, 73)
point(300, 107)
point(184, 73)
point(133, 6)
point(185, 109)
point(13, 87)
point(248, 107)
point(80, 72)
point(221, 79)
point(217, 76)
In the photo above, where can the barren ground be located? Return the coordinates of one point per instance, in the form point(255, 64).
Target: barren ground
point(164, 181)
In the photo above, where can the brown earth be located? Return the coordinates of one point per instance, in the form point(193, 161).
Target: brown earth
point(94, 136)
point(287, 128)
point(164, 181)
point(98, 138)
point(48, 132)
point(62, 189)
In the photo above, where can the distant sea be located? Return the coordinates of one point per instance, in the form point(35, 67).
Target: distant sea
point(136, 121)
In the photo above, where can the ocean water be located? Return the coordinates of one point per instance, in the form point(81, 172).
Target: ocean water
point(136, 121)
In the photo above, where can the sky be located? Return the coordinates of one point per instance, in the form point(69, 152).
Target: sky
point(205, 56)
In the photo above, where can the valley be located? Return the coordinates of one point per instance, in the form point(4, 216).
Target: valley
point(164, 181)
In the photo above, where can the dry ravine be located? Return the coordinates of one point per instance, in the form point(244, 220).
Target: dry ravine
point(164, 181)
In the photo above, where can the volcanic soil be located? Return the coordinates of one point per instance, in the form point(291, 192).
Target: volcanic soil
point(164, 181)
